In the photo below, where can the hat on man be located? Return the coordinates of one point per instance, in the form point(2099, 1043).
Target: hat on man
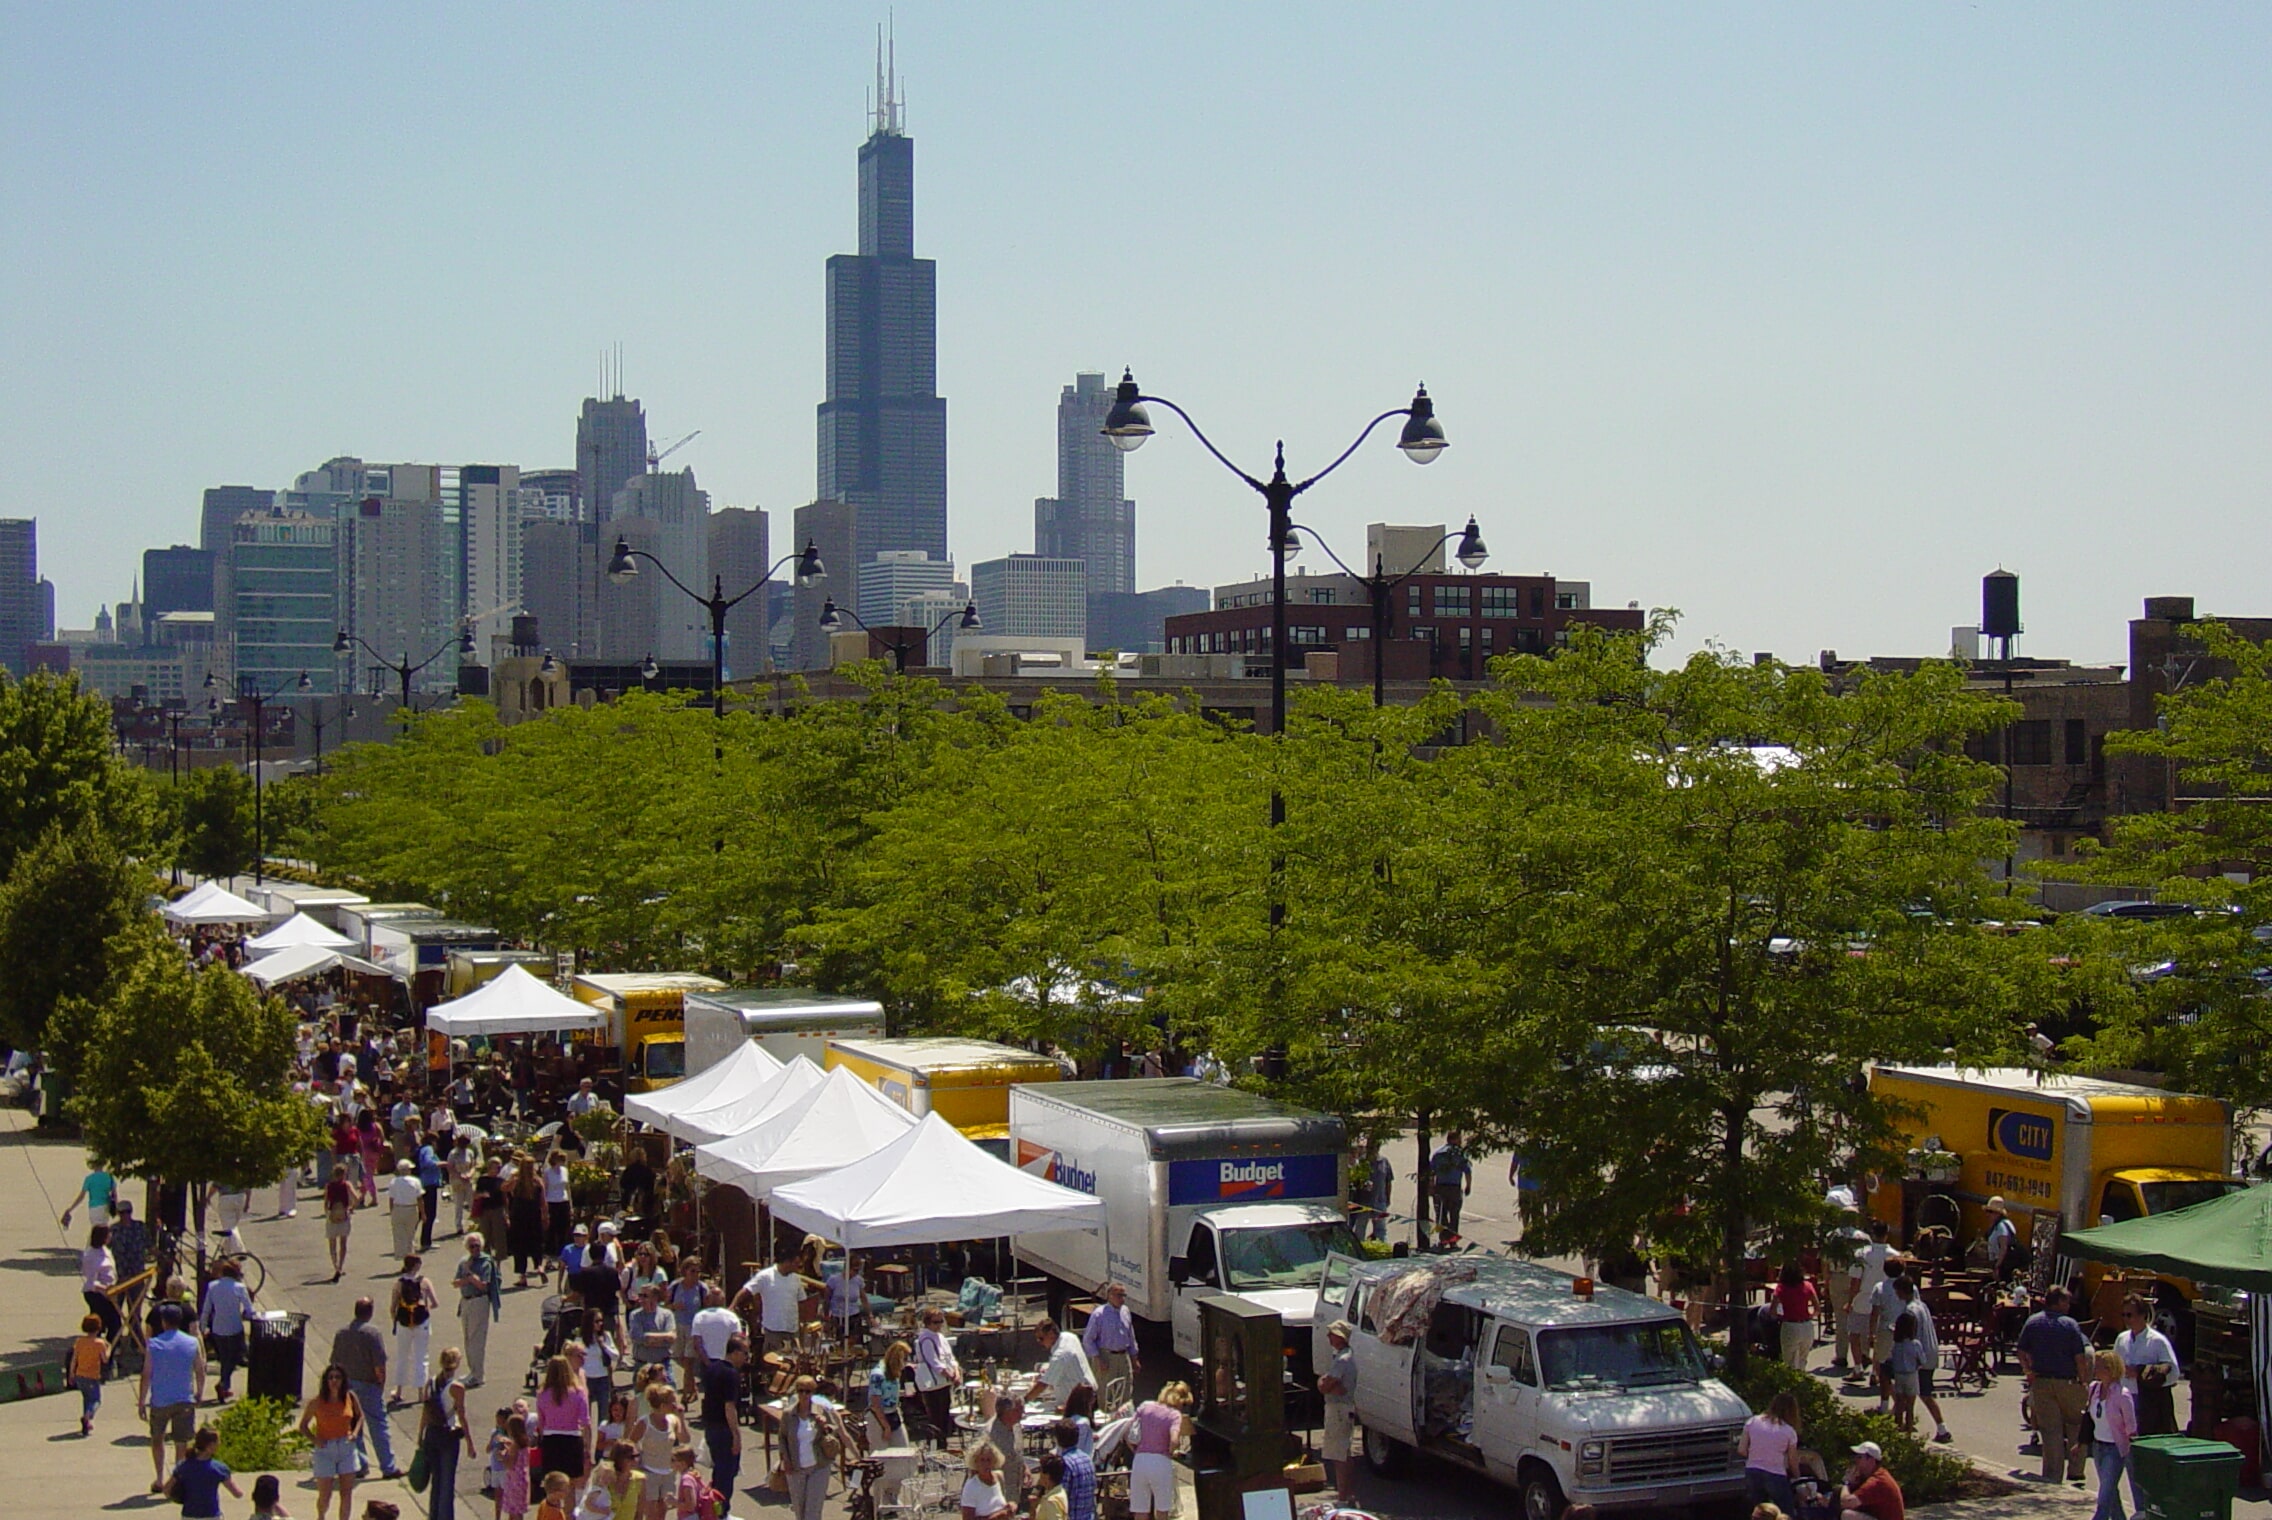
point(406, 1166)
point(582, 1229)
point(1870, 1449)
point(1341, 1328)
point(607, 1227)
point(1996, 1205)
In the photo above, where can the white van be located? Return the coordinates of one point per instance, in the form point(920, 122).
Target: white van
point(1510, 1369)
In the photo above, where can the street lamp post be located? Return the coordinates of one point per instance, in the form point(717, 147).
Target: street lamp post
point(966, 621)
point(345, 643)
point(1380, 583)
point(249, 691)
point(625, 566)
point(1128, 424)
point(315, 721)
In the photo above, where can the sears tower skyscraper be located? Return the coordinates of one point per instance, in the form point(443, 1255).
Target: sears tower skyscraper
point(883, 428)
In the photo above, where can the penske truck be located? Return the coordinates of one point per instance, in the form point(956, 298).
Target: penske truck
point(646, 1020)
point(2080, 1150)
point(1206, 1189)
point(965, 1082)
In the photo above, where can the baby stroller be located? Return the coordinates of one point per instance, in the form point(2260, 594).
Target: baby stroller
point(557, 1321)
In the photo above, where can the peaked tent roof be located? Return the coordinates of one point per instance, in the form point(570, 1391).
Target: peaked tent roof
point(293, 962)
point(211, 903)
point(513, 1002)
point(927, 1186)
point(732, 1113)
point(2227, 1240)
point(749, 1065)
point(300, 929)
point(835, 1124)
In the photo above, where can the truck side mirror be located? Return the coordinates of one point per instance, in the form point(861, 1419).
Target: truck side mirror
point(1178, 1266)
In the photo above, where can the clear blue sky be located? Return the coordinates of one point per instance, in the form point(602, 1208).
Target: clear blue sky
point(1798, 318)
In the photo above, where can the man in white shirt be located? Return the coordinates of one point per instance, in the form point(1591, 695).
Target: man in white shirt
point(584, 1100)
point(1066, 1369)
point(1866, 1274)
point(715, 1325)
point(2149, 1368)
point(780, 1294)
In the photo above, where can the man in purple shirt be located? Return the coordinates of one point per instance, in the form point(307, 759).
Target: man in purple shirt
point(1110, 1340)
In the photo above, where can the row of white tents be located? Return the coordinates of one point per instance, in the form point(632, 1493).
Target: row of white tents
point(826, 1151)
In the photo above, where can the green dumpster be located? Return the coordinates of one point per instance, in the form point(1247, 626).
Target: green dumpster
point(2184, 1478)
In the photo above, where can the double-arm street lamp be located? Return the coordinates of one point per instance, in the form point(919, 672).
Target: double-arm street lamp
point(345, 643)
point(624, 567)
point(249, 691)
point(1380, 584)
point(832, 619)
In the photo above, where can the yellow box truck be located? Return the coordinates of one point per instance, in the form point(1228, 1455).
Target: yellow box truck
point(647, 1011)
point(2076, 1148)
point(965, 1082)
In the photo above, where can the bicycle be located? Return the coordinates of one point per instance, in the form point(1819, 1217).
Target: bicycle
point(171, 1258)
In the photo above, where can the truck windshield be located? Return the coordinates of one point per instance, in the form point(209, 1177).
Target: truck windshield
point(2161, 1197)
point(1620, 1356)
point(1291, 1256)
point(666, 1060)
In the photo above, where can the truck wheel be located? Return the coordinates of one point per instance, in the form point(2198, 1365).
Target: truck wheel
point(1542, 1494)
point(1384, 1457)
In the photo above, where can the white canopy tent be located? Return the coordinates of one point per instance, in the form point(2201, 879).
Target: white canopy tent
point(733, 1113)
point(297, 962)
point(927, 1186)
point(300, 929)
point(835, 1124)
point(513, 1002)
point(211, 903)
point(743, 1070)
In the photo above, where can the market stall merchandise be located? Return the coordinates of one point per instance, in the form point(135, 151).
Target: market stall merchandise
point(838, 1122)
point(513, 1002)
point(931, 1185)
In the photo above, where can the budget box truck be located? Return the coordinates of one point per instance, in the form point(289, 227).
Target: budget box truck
point(646, 1020)
point(2080, 1149)
point(785, 1022)
point(965, 1082)
point(1205, 1188)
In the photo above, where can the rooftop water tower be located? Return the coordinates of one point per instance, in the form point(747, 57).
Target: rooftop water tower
point(2000, 610)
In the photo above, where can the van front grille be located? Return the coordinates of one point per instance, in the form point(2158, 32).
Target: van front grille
point(1673, 1456)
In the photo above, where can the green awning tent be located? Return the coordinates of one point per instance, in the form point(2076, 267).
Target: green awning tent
point(2226, 1241)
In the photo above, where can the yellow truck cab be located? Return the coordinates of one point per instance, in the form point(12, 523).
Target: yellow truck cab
point(646, 1020)
point(2078, 1148)
point(965, 1082)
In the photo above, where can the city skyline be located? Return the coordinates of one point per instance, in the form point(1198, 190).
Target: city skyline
point(1798, 323)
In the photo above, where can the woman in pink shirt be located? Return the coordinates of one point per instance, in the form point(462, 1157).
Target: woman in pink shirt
point(1161, 1426)
point(2114, 1424)
point(1770, 1449)
point(564, 1424)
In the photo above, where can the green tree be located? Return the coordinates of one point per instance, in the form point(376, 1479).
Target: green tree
point(62, 911)
point(1707, 897)
point(2203, 1017)
point(57, 769)
point(186, 1075)
point(213, 821)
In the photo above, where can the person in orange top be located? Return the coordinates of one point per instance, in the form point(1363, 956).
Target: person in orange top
point(90, 1358)
point(331, 1422)
point(1869, 1492)
point(557, 1486)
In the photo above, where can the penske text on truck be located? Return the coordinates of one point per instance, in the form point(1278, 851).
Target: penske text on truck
point(1206, 1189)
point(647, 1020)
point(2047, 1143)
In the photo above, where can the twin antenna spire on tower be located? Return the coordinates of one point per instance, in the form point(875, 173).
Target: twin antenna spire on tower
point(887, 108)
point(611, 373)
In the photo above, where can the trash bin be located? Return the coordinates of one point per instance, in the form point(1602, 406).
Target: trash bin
point(276, 1353)
point(2186, 1478)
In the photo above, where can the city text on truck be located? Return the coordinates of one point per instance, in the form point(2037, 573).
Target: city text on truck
point(1205, 1189)
point(1560, 1389)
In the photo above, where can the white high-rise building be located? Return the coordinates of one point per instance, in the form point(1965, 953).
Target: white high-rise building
point(665, 514)
point(940, 611)
point(1028, 596)
point(893, 577)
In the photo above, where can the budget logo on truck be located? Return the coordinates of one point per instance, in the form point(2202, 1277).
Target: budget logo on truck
point(1258, 1180)
point(1057, 1167)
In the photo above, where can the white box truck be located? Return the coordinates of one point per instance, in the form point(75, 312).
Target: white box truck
point(785, 1022)
point(1560, 1389)
point(1205, 1188)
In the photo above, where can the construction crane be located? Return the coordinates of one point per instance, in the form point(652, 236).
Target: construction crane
point(655, 459)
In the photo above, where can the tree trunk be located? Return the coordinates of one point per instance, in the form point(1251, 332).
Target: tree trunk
point(1420, 1198)
point(1734, 1293)
point(198, 1192)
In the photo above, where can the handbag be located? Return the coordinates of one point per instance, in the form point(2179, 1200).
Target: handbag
point(420, 1470)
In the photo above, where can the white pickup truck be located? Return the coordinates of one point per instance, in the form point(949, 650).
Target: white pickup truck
point(1508, 1368)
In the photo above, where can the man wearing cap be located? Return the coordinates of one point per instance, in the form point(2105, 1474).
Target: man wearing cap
point(578, 1249)
point(1339, 1385)
point(2055, 1355)
point(2000, 1238)
point(1869, 1492)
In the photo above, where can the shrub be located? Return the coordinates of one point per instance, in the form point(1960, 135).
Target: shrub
point(1832, 1426)
point(260, 1435)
